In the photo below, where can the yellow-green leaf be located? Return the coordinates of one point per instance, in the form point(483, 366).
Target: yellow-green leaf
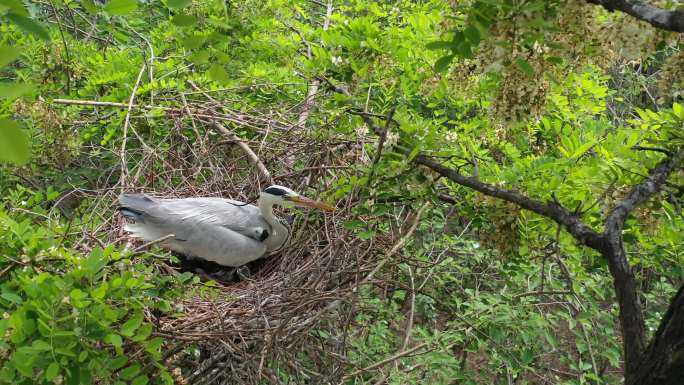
point(140, 380)
point(678, 110)
point(121, 7)
point(130, 326)
point(14, 90)
point(14, 143)
point(8, 54)
point(52, 371)
point(178, 3)
point(217, 73)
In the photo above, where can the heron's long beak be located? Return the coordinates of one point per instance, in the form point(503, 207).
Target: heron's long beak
point(306, 202)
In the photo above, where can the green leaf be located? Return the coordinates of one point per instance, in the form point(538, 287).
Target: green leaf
point(443, 63)
point(194, 41)
point(140, 380)
point(178, 3)
point(183, 20)
point(28, 25)
point(130, 372)
point(465, 50)
point(8, 54)
point(130, 326)
point(14, 143)
point(678, 110)
point(41, 345)
point(472, 34)
point(100, 292)
point(52, 371)
point(65, 352)
point(554, 60)
point(14, 90)
point(121, 7)
point(12, 297)
point(14, 6)
point(118, 362)
point(435, 45)
point(354, 224)
point(217, 73)
point(114, 339)
point(525, 67)
point(77, 294)
point(143, 332)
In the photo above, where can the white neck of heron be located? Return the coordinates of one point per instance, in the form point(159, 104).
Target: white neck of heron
point(279, 231)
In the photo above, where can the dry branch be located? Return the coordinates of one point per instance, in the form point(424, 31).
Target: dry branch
point(127, 121)
point(315, 83)
point(385, 361)
point(657, 17)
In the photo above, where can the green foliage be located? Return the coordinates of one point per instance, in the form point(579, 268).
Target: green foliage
point(73, 317)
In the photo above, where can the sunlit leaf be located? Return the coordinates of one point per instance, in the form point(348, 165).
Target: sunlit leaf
point(14, 143)
point(435, 45)
point(121, 7)
point(130, 326)
point(218, 73)
point(52, 371)
point(178, 3)
point(678, 110)
point(8, 54)
point(194, 41)
point(114, 339)
point(14, 90)
point(140, 380)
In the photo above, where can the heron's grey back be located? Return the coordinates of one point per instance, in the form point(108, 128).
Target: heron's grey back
point(210, 228)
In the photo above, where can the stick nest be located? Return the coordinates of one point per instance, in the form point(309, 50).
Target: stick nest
point(296, 303)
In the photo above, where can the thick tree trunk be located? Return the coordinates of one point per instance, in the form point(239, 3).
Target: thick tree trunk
point(663, 361)
point(631, 314)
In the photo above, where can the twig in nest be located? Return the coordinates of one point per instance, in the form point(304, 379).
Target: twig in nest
point(313, 86)
point(232, 136)
point(142, 247)
point(127, 122)
point(381, 144)
point(385, 361)
point(396, 246)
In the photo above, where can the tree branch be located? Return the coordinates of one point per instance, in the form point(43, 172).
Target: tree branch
point(661, 364)
point(581, 231)
point(642, 192)
point(631, 310)
point(657, 17)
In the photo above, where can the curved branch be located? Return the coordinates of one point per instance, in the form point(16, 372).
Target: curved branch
point(657, 17)
point(631, 310)
point(581, 231)
point(642, 192)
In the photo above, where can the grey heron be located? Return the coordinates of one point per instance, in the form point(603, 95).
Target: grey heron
point(225, 231)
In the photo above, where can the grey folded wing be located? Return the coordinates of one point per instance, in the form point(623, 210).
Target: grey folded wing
point(210, 228)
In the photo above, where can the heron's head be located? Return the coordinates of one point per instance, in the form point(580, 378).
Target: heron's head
point(286, 197)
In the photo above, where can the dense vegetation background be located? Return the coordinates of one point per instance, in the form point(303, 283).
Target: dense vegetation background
point(508, 173)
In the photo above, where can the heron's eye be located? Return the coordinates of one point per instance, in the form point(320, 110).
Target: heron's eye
point(276, 191)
